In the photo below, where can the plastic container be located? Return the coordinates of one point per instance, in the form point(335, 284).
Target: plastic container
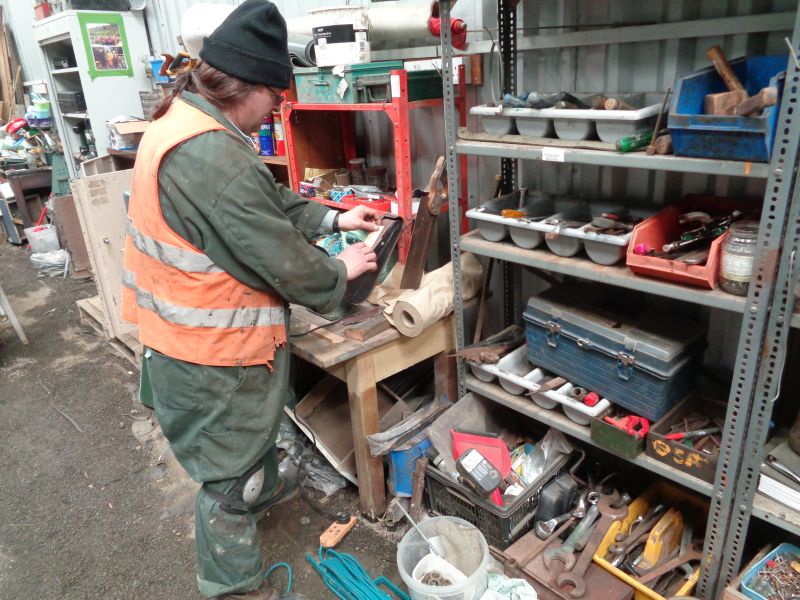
point(42, 238)
point(413, 548)
point(266, 141)
point(502, 526)
point(576, 410)
point(747, 580)
point(319, 85)
point(496, 120)
point(663, 227)
point(720, 136)
point(608, 125)
point(532, 123)
point(155, 65)
point(41, 11)
point(277, 134)
point(694, 510)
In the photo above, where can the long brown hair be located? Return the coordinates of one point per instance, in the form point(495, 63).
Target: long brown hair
point(220, 89)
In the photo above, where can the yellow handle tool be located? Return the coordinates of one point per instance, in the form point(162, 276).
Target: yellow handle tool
point(663, 539)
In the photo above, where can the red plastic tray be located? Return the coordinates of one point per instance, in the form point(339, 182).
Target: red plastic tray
point(663, 227)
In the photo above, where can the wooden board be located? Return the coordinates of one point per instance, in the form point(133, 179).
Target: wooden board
point(103, 218)
point(92, 315)
point(368, 329)
point(68, 227)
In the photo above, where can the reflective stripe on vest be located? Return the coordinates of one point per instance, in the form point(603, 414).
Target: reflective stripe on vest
point(222, 318)
point(172, 256)
point(186, 305)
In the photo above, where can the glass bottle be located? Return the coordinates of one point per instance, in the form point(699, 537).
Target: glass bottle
point(738, 256)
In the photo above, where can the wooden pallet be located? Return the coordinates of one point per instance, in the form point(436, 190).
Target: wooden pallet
point(93, 315)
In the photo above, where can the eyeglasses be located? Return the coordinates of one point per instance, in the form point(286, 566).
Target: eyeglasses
point(277, 97)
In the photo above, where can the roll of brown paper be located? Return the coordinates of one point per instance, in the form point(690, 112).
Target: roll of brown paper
point(412, 311)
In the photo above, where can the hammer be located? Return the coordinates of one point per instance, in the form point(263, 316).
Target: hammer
point(724, 103)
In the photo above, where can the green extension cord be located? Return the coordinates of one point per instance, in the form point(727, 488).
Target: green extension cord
point(348, 580)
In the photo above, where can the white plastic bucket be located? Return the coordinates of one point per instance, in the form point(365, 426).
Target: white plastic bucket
point(42, 238)
point(413, 549)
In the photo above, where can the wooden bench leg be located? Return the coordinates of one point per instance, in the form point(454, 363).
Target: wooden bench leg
point(363, 397)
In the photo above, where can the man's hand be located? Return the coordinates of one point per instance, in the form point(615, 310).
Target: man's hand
point(358, 258)
point(361, 217)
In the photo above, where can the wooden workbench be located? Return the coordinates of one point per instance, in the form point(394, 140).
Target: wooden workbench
point(361, 365)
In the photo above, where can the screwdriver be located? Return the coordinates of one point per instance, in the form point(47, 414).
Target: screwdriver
point(683, 435)
point(634, 142)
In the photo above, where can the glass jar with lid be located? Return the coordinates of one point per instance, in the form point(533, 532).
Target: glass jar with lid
point(738, 257)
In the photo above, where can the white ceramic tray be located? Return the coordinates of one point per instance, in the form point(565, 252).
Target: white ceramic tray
point(572, 124)
point(517, 376)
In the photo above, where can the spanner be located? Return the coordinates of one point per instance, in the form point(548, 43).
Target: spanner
point(576, 576)
point(690, 555)
point(566, 551)
point(544, 529)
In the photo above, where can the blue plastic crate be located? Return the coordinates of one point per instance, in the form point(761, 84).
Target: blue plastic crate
point(726, 137)
point(748, 578)
point(402, 463)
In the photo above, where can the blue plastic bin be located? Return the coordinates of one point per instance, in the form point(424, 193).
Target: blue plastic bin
point(751, 574)
point(402, 462)
point(726, 137)
point(155, 64)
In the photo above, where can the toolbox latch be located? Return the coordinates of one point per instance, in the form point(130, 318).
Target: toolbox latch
point(625, 364)
point(583, 343)
point(553, 333)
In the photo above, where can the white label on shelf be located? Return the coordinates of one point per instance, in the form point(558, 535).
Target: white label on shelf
point(395, 79)
point(553, 154)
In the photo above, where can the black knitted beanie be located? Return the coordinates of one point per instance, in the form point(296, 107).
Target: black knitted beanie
point(251, 45)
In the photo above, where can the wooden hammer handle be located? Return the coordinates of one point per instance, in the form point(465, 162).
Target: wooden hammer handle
point(717, 58)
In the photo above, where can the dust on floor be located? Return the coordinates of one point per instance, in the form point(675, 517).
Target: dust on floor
point(92, 502)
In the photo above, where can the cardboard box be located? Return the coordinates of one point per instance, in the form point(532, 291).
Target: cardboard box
point(675, 453)
point(125, 135)
point(341, 44)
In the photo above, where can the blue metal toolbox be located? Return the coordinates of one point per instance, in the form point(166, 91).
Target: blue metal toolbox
point(639, 358)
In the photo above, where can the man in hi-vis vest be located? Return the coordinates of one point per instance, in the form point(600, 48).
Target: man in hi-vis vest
point(215, 251)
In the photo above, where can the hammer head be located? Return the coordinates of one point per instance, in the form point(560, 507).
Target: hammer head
point(724, 103)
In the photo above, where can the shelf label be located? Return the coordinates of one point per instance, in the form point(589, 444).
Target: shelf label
point(553, 154)
point(395, 79)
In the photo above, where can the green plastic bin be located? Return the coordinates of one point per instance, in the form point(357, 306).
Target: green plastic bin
point(368, 82)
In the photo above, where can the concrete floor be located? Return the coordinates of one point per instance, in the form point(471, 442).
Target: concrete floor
point(105, 511)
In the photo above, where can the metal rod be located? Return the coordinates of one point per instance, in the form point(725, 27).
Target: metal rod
point(419, 531)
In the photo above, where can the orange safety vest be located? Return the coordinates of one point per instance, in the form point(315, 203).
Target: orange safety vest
point(185, 305)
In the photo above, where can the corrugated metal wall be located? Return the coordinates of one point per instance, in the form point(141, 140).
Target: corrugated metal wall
point(19, 17)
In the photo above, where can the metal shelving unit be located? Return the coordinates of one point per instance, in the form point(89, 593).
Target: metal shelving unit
point(485, 144)
point(767, 311)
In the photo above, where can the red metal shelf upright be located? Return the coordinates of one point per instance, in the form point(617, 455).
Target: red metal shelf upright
point(312, 141)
